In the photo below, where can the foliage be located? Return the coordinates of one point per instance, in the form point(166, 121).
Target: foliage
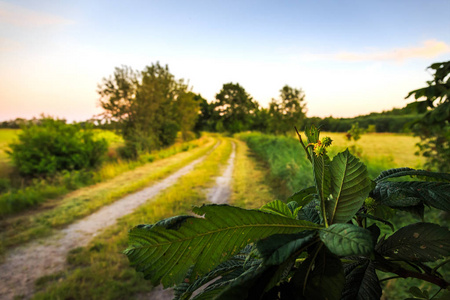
point(283, 161)
point(148, 107)
point(355, 132)
point(288, 111)
point(317, 246)
point(434, 127)
point(235, 107)
point(51, 146)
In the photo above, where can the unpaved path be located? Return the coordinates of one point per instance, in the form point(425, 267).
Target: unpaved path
point(218, 194)
point(25, 264)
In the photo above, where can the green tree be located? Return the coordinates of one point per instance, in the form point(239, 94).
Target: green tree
point(235, 107)
point(188, 105)
point(144, 106)
point(288, 111)
point(434, 127)
point(207, 117)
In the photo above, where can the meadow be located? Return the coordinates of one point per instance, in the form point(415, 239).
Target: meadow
point(266, 167)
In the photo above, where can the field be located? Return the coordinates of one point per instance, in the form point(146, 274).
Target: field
point(266, 168)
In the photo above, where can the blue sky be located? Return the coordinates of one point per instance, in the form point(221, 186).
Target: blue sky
point(349, 57)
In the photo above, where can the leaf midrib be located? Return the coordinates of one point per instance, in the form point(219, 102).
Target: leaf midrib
point(340, 191)
point(225, 229)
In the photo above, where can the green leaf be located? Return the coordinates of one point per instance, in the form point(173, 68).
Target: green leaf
point(412, 193)
point(350, 186)
point(347, 240)
point(278, 248)
point(303, 196)
point(321, 278)
point(417, 242)
point(165, 255)
point(278, 207)
point(361, 281)
point(399, 172)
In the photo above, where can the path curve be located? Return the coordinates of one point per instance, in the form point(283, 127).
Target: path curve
point(26, 263)
point(218, 194)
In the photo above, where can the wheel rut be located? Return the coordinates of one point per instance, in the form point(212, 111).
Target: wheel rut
point(25, 264)
point(219, 194)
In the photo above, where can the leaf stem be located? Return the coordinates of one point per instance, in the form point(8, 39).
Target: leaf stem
point(439, 265)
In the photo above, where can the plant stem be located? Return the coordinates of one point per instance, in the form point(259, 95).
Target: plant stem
point(387, 266)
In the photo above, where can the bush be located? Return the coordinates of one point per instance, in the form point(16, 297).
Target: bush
point(51, 145)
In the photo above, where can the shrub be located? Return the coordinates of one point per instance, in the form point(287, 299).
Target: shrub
point(51, 146)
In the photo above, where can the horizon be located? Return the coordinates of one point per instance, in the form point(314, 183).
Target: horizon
point(350, 58)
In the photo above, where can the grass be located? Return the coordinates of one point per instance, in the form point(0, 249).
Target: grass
point(80, 203)
point(25, 195)
point(100, 271)
point(285, 159)
point(251, 185)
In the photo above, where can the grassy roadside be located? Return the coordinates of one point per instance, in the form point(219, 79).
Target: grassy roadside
point(100, 271)
point(251, 188)
point(84, 201)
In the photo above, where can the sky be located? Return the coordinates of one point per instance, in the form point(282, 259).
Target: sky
point(349, 57)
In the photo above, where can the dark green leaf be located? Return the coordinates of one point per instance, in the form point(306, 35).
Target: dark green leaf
point(304, 196)
point(412, 193)
point(279, 247)
point(361, 281)
point(376, 219)
point(310, 212)
point(347, 240)
point(392, 173)
point(165, 255)
point(325, 280)
point(417, 242)
point(350, 186)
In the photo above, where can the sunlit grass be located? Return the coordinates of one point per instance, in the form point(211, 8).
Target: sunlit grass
point(86, 200)
point(100, 271)
point(250, 189)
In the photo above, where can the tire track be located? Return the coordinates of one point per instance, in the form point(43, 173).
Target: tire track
point(26, 263)
point(218, 194)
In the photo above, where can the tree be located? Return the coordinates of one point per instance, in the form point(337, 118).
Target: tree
point(144, 106)
point(188, 105)
point(288, 111)
point(235, 107)
point(208, 116)
point(434, 127)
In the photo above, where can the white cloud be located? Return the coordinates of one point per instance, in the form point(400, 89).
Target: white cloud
point(428, 49)
point(20, 16)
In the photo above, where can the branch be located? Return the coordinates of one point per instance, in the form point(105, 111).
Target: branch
point(386, 266)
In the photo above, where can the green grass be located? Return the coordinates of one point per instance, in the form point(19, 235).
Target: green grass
point(22, 228)
point(22, 196)
point(285, 159)
point(100, 271)
point(252, 187)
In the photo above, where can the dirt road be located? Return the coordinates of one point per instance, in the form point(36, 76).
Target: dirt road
point(25, 264)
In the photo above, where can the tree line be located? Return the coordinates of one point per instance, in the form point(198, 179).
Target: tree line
point(150, 107)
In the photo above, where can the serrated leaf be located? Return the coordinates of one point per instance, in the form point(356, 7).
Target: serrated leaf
point(412, 193)
point(310, 212)
point(361, 281)
point(278, 248)
point(325, 279)
point(350, 186)
point(417, 242)
point(347, 240)
point(278, 207)
point(165, 255)
point(400, 172)
point(321, 169)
